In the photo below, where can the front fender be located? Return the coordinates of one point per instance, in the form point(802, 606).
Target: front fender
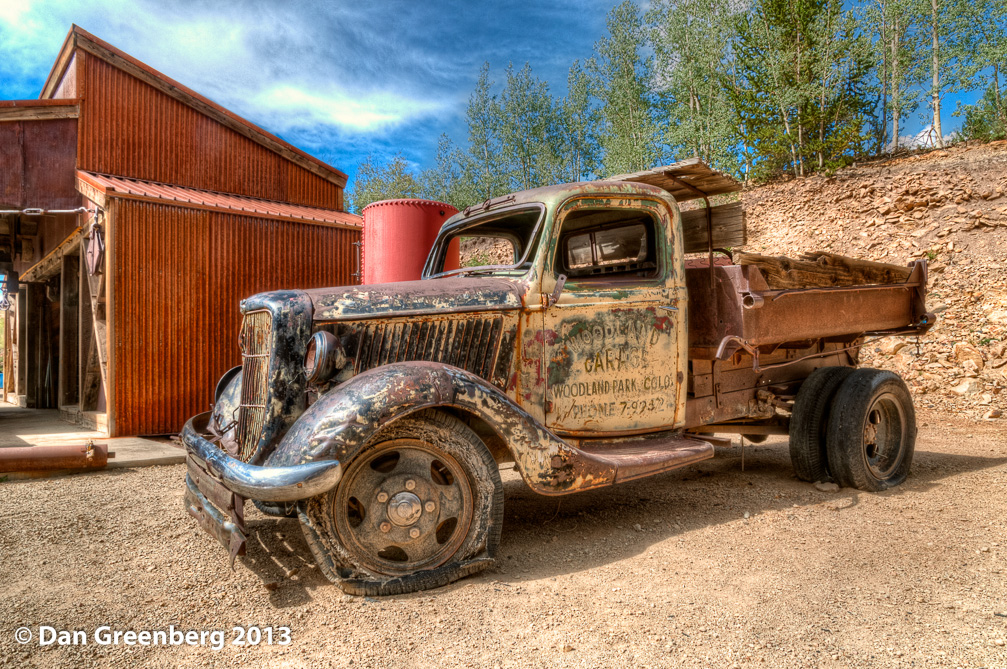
point(344, 420)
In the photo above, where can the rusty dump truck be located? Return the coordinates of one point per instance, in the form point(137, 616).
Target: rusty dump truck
point(614, 339)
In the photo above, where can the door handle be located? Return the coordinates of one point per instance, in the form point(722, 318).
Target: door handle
point(669, 308)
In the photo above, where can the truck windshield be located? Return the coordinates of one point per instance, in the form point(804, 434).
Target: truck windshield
point(494, 243)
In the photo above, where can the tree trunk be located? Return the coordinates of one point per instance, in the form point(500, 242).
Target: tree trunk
point(896, 112)
point(936, 104)
point(884, 83)
point(996, 91)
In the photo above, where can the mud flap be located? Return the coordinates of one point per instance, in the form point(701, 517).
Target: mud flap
point(353, 584)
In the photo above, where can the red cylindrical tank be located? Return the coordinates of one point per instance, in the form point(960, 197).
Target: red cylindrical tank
point(397, 238)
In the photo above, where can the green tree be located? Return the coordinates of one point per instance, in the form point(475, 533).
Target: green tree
point(800, 85)
point(447, 179)
point(898, 65)
point(622, 85)
point(691, 41)
point(982, 50)
point(485, 144)
point(374, 183)
point(530, 131)
point(580, 121)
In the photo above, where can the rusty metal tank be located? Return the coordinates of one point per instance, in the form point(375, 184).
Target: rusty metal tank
point(397, 237)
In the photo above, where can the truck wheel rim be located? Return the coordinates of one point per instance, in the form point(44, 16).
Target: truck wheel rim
point(885, 435)
point(403, 507)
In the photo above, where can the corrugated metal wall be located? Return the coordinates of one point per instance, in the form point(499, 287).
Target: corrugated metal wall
point(178, 278)
point(128, 128)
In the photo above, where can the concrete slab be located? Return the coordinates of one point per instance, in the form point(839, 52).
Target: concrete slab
point(43, 427)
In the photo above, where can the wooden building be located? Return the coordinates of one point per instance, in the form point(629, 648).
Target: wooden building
point(134, 216)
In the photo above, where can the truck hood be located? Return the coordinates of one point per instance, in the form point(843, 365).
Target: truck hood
point(413, 298)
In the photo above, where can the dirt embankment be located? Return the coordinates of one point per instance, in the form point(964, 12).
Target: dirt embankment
point(948, 206)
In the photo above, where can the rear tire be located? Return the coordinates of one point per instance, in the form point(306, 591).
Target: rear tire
point(872, 431)
point(809, 422)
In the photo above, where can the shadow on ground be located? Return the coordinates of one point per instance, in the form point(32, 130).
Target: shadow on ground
point(544, 537)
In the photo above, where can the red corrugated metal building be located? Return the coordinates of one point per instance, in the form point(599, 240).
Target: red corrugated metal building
point(134, 215)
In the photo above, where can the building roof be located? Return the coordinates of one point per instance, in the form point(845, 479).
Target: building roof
point(97, 187)
point(80, 38)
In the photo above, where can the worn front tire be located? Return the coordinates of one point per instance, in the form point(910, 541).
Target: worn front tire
point(872, 431)
point(419, 507)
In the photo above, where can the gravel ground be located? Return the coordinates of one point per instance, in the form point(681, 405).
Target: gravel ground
point(707, 566)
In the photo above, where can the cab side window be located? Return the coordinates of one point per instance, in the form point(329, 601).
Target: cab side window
point(607, 243)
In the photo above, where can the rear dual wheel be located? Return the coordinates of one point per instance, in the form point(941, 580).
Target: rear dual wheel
point(857, 427)
point(810, 420)
point(872, 431)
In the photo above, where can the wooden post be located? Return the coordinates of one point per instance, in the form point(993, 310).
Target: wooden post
point(34, 345)
point(22, 343)
point(69, 317)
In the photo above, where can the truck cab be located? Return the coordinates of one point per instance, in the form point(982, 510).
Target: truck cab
point(581, 344)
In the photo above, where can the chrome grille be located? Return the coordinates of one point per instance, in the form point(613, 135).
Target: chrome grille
point(256, 331)
point(473, 344)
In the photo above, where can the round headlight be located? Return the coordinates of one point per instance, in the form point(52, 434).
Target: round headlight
point(323, 358)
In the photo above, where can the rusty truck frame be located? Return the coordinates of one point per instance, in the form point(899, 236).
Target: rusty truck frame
point(599, 351)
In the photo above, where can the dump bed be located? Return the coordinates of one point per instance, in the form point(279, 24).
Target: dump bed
point(745, 306)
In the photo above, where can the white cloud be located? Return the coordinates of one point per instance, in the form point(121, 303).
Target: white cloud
point(219, 52)
point(365, 113)
point(11, 11)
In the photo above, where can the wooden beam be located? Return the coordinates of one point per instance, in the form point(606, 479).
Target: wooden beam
point(59, 67)
point(22, 338)
point(822, 270)
point(52, 260)
point(91, 191)
point(39, 113)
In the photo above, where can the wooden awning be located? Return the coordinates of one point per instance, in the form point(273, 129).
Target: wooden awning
point(678, 177)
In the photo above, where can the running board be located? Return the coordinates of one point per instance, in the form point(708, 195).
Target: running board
point(637, 457)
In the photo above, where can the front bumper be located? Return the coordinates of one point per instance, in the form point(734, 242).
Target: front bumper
point(268, 484)
point(216, 485)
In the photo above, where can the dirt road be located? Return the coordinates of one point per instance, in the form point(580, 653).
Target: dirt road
point(708, 566)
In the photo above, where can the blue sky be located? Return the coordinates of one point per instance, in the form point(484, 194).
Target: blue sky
point(338, 79)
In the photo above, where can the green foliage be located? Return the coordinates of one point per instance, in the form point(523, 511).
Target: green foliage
point(800, 85)
point(985, 120)
point(621, 78)
point(479, 259)
point(374, 183)
point(755, 88)
point(692, 75)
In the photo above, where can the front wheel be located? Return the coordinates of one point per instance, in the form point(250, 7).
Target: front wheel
point(418, 508)
point(872, 431)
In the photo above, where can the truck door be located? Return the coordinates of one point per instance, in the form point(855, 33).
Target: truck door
point(614, 337)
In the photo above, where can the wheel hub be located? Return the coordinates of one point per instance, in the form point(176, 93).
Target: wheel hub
point(405, 506)
point(404, 509)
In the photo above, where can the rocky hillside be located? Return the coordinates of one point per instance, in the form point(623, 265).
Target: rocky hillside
point(949, 206)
